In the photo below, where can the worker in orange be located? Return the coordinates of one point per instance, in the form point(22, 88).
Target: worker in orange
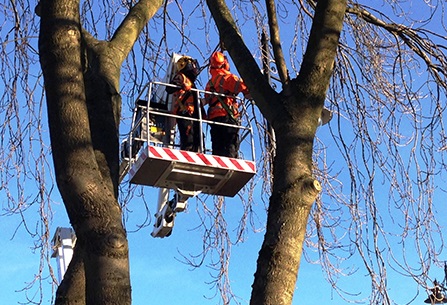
point(185, 102)
point(224, 109)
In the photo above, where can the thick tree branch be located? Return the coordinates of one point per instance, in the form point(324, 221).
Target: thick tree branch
point(276, 42)
point(131, 27)
point(318, 60)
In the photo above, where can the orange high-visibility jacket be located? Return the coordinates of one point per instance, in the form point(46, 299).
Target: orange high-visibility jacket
point(223, 81)
point(183, 97)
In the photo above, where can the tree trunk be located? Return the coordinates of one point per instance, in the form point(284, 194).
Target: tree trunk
point(294, 188)
point(84, 135)
point(294, 115)
point(294, 192)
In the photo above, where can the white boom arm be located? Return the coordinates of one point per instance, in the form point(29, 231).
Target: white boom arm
point(63, 243)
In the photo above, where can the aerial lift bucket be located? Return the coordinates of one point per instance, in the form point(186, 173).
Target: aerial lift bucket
point(150, 157)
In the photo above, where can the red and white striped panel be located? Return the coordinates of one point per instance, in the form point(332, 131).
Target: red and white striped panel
point(201, 159)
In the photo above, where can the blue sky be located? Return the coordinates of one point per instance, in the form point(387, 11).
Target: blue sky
point(158, 275)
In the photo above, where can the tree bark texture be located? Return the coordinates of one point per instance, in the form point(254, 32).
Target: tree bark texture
point(81, 77)
point(84, 138)
point(294, 115)
point(294, 189)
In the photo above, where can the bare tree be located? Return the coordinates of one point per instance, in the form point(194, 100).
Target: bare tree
point(294, 114)
point(367, 67)
point(397, 139)
point(81, 78)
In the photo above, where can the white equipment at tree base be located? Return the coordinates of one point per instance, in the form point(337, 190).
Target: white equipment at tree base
point(63, 242)
point(150, 155)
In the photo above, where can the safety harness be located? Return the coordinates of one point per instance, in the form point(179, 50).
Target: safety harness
point(181, 102)
point(223, 103)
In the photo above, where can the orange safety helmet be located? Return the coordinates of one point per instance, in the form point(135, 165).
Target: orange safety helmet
point(218, 60)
